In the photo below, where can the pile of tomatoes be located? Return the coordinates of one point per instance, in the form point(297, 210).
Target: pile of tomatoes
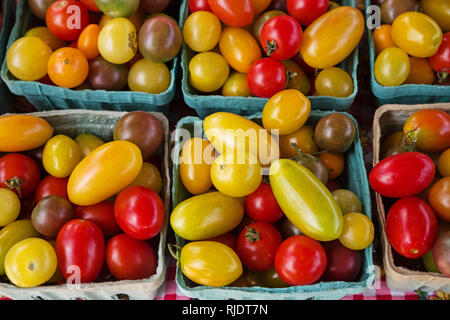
point(99, 45)
point(415, 172)
point(412, 46)
point(260, 47)
point(79, 209)
point(271, 219)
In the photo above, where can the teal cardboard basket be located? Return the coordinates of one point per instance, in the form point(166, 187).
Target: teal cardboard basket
point(8, 14)
point(353, 178)
point(205, 104)
point(406, 93)
point(47, 97)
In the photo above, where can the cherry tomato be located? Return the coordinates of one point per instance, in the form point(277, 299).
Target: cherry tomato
point(261, 205)
point(411, 227)
point(68, 67)
point(51, 186)
point(343, 264)
point(281, 37)
point(382, 38)
point(236, 86)
point(420, 72)
point(440, 62)
point(208, 71)
point(45, 35)
point(61, 155)
point(201, 31)
point(260, 5)
point(444, 163)
point(262, 19)
point(300, 260)
point(88, 41)
point(234, 13)
point(439, 10)
point(266, 77)
point(334, 163)
point(198, 5)
point(139, 212)
point(306, 11)
point(19, 173)
point(334, 82)
point(303, 138)
point(149, 177)
point(102, 214)
point(392, 67)
point(10, 207)
point(257, 245)
point(148, 76)
point(358, 231)
point(439, 198)
point(67, 18)
point(90, 4)
point(117, 41)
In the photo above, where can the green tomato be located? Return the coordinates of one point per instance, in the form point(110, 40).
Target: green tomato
point(148, 76)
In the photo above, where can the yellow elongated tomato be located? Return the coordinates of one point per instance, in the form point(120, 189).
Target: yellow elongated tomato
point(208, 71)
point(30, 263)
point(228, 132)
point(60, 156)
point(210, 263)
point(332, 37)
point(239, 48)
point(9, 206)
point(117, 41)
point(201, 31)
point(392, 67)
point(196, 159)
point(286, 112)
point(358, 231)
point(206, 216)
point(416, 33)
point(104, 172)
point(236, 174)
point(34, 132)
point(87, 143)
point(306, 202)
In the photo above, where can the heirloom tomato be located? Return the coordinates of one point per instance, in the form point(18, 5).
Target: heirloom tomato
point(51, 186)
point(271, 279)
point(118, 8)
point(266, 77)
point(262, 19)
point(382, 38)
point(102, 214)
point(334, 162)
point(208, 71)
point(68, 67)
point(50, 214)
point(88, 41)
point(39, 7)
point(439, 10)
point(150, 77)
point(303, 138)
point(87, 143)
point(391, 9)
point(306, 11)
point(392, 67)
point(61, 155)
point(104, 75)
point(9, 206)
point(236, 86)
point(347, 201)
point(420, 72)
point(234, 13)
point(261, 205)
point(66, 19)
point(297, 78)
point(343, 264)
point(313, 164)
point(117, 41)
point(358, 231)
point(440, 62)
point(201, 31)
point(228, 239)
point(260, 5)
point(439, 198)
point(444, 163)
point(441, 253)
point(19, 173)
point(334, 82)
point(335, 132)
point(149, 177)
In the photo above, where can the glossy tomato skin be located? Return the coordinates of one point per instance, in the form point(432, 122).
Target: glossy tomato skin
point(266, 77)
point(411, 227)
point(19, 173)
point(234, 13)
point(102, 214)
point(300, 260)
point(439, 198)
point(306, 11)
point(80, 243)
point(402, 175)
point(343, 264)
point(440, 62)
point(130, 259)
point(51, 186)
point(257, 244)
point(139, 212)
point(60, 14)
point(198, 5)
point(261, 205)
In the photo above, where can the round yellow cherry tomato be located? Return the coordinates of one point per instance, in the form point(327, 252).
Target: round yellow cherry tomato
point(87, 143)
point(444, 163)
point(60, 156)
point(208, 71)
point(117, 41)
point(30, 262)
point(9, 206)
point(148, 76)
point(392, 67)
point(358, 231)
point(149, 177)
point(236, 86)
point(287, 111)
point(334, 82)
point(201, 31)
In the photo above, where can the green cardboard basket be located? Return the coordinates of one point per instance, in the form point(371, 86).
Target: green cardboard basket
point(47, 97)
point(406, 93)
point(205, 104)
point(354, 178)
point(8, 14)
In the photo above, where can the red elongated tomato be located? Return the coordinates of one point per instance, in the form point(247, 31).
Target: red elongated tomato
point(402, 175)
point(411, 227)
point(306, 11)
point(234, 13)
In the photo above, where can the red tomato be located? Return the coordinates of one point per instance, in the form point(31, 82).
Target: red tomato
point(281, 37)
point(198, 5)
point(300, 260)
point(261, 205)
point(19, 173)
point(440, 62)
point(51, 186)
point(411, 227)
point(228, 239)
point(139, 212)
point(130, 259)
point(306, 11)
point(266, 77)
point(90, 4)
point(257, 244)
point(80, 247)
point(234, 13)
point(66, 19)
point(102, 214)
point(402, 175)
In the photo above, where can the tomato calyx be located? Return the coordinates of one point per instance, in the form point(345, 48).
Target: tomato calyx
point(175, 251)
point(443, 75)
point(252, 234)
point(15, 183)
point(300, 154)
point(271, 47)
point(409, 141)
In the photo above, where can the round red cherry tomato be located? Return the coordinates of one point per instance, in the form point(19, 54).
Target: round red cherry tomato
point(80, 248)
point(66, 19)
point(306, 11)
point(257, 244)
point(130, 259)
point(198, 5)
point(411, 227)
point(234, 13)
point(140, 212)
point(261, 205)
point(300, 260)
point(51, 186)
point(440, 62)
point(266, 77)
point(102, 214)
point(402, 175)
point(281, 37)
point(19, 173)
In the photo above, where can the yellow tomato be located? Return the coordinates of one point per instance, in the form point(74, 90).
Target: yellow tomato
point(236, 86)
point(34, 132)
point(358, 231)
point(208, 71)
point(117, 41)
point(201, 31)
point(45, 35)
point(148, 76)
point(303, 138)
point(60, 156)
point(30, 263)
point(210, 263)
point(332, 37)
point(444, 163)
point(239, 48)
point(334, 82)
point(104, 172)
point(87, 143)
point(196, 159)
point(9, 206)
point(149, 177)
point(286, 112)
point(392, 67)
point(416, 33)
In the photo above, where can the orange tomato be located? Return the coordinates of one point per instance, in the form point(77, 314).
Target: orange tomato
point(303, 138)
point(382, 38)
point(420, 72)
point(334, 163)
point(260, 5)
point(88, 41)
point(444, 163)
point(68, 67)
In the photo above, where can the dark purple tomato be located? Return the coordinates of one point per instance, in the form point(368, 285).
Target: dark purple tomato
point(343, 264)
point(154, 6)
point(335, 133)
point(39, 7)
point(50, 215)
point(104, 75)
point(391, 9)
point(278, 5)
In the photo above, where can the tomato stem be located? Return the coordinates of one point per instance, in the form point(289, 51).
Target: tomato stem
point(252, 234)
point(271, 47)
point(175, 251)
point(15, 183)
point(409, 141)
point(443, 75)
point(300, 154)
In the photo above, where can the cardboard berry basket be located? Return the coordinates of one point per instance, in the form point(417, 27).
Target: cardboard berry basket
point(101, 123)
point(206, 104)
point(406, 93)
point(8, 12)
point(48, 97)
point(354, 178)
point(388, 119)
